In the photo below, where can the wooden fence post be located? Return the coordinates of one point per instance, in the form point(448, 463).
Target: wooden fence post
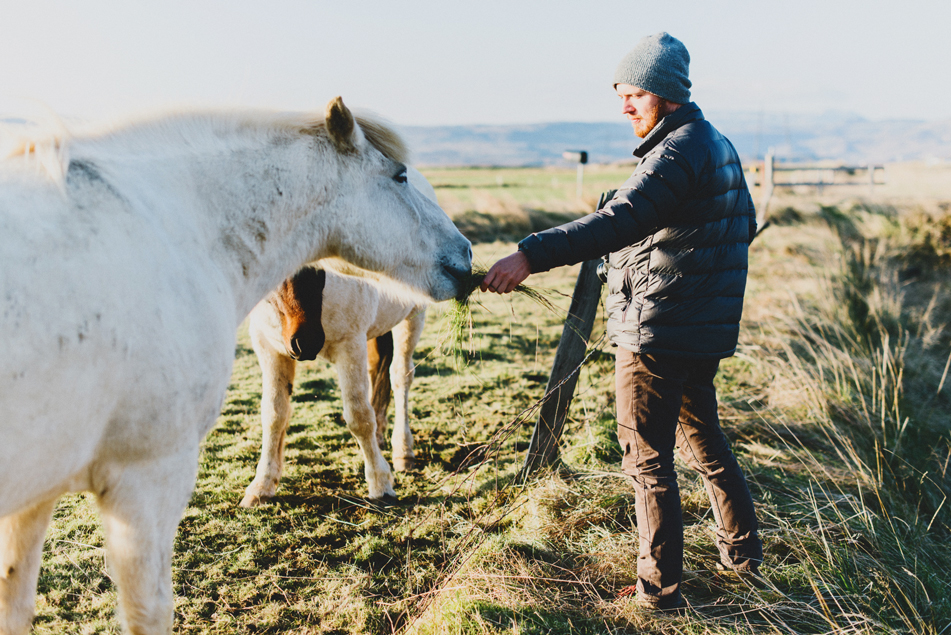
point(766, 193)
point(543, 449)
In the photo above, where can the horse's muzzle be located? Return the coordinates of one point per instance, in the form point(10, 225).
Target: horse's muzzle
point(458, 273)
point(461, 278)
point(304, 349)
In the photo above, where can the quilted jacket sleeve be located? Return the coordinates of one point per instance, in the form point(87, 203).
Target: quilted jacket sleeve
point(642, 205)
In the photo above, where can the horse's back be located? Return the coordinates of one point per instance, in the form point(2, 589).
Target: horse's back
point(91, 363)
point(358, 308)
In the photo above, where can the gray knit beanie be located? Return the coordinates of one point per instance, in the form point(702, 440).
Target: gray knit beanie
point(659, 65)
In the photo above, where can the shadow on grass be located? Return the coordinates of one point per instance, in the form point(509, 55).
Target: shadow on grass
point(316, 390)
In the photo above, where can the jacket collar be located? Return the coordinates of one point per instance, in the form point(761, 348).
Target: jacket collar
point(683, 115)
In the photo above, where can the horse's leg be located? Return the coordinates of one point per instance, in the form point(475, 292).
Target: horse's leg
point(406, 336)
point(21, 547)
point(351, 357)
point(141, 505)
point(277, 373)
point(380, 359)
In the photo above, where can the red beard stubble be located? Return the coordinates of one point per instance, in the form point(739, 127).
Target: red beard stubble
point(651, 118)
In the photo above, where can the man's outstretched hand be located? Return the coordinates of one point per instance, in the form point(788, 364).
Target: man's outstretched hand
point(507, 273)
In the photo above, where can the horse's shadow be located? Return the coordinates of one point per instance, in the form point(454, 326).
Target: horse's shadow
point(316, 390)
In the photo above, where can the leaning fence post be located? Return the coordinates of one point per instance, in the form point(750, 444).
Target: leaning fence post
point(767, 186)
point(543, 449)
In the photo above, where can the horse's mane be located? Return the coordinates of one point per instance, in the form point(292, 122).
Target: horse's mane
point(378, 133)
point(384, 138)
point(50, 148)
point(42, 147)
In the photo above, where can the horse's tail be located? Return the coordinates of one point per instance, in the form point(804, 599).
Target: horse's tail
point(380, 353)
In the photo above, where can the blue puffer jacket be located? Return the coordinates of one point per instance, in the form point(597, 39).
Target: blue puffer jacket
point(677, 233)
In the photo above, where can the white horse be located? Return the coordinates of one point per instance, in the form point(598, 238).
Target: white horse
point(123, 277)
point(320, 312)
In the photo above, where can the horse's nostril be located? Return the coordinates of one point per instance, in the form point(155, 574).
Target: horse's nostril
point(458, 273)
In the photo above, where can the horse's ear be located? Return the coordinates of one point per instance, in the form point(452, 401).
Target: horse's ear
point(341, 126)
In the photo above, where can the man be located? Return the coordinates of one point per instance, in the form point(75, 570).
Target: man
point(677, 234)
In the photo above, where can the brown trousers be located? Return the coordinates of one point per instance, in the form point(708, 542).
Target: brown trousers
point(664, 401)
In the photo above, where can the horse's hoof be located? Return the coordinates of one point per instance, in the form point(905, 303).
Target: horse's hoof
point(403, 464)
point(385, 501)
point(255, 500)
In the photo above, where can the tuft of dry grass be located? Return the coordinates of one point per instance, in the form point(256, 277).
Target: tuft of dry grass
point(457, 338)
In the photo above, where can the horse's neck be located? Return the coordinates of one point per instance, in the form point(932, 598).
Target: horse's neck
point(251, 218)
point(265, 229)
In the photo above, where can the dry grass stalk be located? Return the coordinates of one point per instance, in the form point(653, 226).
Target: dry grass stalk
point(457, 337)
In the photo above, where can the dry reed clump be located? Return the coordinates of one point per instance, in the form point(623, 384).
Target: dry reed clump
point(592, 519)
point(928, 235)
point(857, 399)
point(508, 586)
point(563, 511)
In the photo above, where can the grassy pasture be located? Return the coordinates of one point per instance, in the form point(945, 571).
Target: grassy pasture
point(509, 203)
point(837, 406)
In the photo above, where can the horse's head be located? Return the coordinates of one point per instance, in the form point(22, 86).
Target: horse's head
point(298, 302)
point(384, 223)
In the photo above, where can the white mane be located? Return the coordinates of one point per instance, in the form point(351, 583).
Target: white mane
point(41, 150)
point(50, 147)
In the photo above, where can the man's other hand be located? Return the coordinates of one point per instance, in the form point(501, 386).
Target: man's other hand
point(507, 273)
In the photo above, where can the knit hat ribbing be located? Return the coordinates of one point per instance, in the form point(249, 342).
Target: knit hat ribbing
point(658, 64)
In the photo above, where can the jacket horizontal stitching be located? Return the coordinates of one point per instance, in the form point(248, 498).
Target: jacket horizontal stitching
point(653, 299)
point(691, 297)
point(662, 179)
point(701, 273)
point(730, 323)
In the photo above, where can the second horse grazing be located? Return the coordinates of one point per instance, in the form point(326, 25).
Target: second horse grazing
point(368, 329)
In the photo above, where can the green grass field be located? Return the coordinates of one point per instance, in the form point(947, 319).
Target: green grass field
point(527, 186)
point(837, 406)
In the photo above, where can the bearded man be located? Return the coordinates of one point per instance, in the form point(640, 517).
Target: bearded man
point(675, 237)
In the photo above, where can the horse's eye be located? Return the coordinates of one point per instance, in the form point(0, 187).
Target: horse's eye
point(400, 178)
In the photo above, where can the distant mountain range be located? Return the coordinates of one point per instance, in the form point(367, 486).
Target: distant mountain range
point(839, 136)
point(835, 136)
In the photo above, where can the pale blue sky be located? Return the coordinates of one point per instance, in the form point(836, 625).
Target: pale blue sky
point(423, 62)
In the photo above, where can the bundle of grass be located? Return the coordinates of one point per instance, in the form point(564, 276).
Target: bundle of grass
point(457, 336)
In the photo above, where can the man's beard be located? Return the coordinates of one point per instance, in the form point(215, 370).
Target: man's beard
point(650, 119)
